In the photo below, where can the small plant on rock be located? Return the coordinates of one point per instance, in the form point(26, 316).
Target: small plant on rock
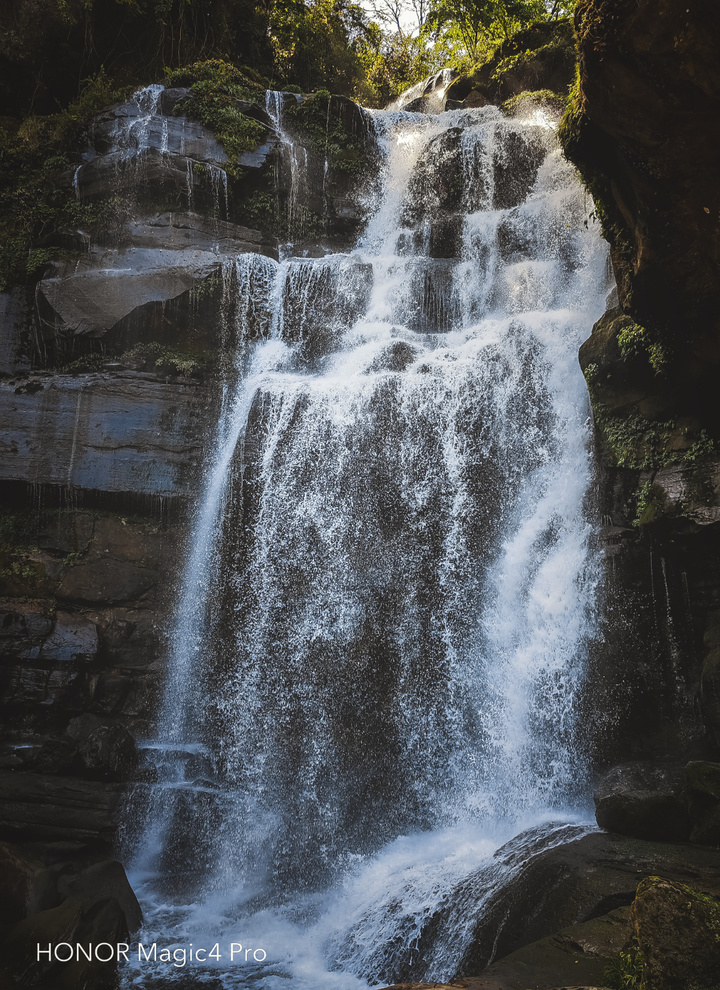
point(624, 971)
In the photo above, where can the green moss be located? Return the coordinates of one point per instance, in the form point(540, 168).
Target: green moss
point(534, 97)
point(243, 83)
point(632, 441)
point(18, 530)
point(525, 59)
point(216, 87)
point(151, 357)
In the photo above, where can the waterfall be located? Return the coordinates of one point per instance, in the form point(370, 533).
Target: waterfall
point(371, 714)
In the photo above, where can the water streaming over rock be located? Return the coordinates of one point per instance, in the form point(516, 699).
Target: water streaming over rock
point(380, 638)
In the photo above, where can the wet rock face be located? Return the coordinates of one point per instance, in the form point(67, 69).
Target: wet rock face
point(447, 183)
point(113, 432)
point(59, 663)
point(702, 792)
point(169, 206)
point(322, 179)
point(574, 884)
point(113, 371)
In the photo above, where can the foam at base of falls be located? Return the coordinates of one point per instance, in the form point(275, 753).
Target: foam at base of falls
point(408, 913)
point(380, 638)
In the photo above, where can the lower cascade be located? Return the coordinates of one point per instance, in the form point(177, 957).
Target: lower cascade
point(372, 716)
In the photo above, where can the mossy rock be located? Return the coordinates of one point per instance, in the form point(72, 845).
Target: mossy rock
point(643, 413)
point(542, 57)
point(530, 100)
point(677, 930)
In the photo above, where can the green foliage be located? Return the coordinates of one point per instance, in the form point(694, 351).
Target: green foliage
point(321, 44)
point(524, 59)
point(216, 87)
point(635, 442)
point(320, 124)
point(624, 972)
point(261, 208)
point(481, 24)
point(395, 62)
point(150, 356)
point(220, 76)
point(169, 361)
point(651, 504)
point(56, 42)
point(703, 449)
point(635, 340)
point(36, 197)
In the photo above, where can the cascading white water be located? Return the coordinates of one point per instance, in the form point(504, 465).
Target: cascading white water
point(380, 638)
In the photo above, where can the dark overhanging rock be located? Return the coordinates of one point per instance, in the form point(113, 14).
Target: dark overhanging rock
point(642, 130)
point(643, 800)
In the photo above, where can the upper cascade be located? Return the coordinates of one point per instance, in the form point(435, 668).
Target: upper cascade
point(427, 96)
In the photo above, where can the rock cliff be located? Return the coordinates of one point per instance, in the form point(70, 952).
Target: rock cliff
point(111, 378)
point(642, 128)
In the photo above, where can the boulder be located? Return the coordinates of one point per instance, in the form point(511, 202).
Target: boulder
point(702, 788)
point(710, 693)
point(74, 639)
point(578, 953)
point(421, 104)
point(678, 934)
point(576, 882)
point(100, 881)
point(23, 629)
point(59, 924)
point(643, 800)
point(129, 638)
point(26, 886)
point(89, 922)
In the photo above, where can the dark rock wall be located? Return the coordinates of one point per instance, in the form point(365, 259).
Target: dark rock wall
point(643, 129)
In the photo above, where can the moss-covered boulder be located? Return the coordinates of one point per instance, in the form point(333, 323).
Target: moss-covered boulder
point(678, 934)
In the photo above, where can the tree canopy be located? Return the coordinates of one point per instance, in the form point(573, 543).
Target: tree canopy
point(49, 48)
